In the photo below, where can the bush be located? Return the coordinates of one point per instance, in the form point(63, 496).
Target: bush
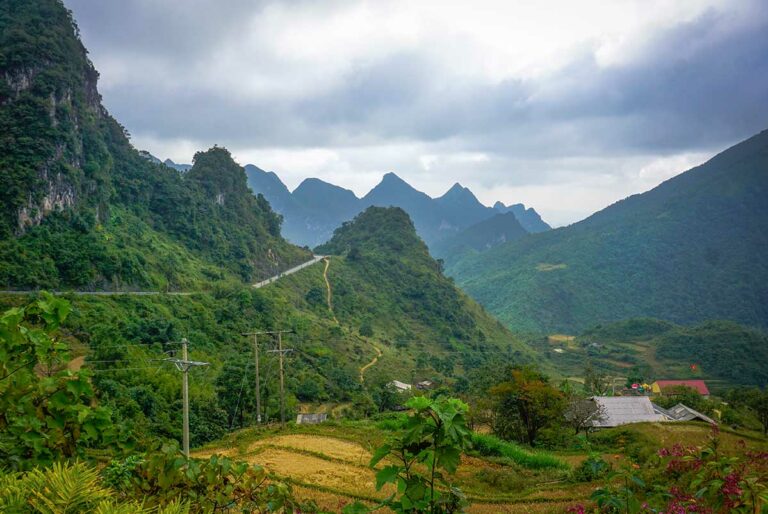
point(595, 467)
point(392, 422)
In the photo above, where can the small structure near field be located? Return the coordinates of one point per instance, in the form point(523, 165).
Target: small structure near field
point(622, 410)
point(682, 412)
point(671, 387)
point(399, 386)
point(311, 419)
point(424, 385)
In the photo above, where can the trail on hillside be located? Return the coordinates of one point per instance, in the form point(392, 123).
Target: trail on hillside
point(329, 301)
point(374, 361)
point(328, 294)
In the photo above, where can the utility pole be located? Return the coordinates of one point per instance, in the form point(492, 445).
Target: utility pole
point(183, 365)
point(258, 380)
point(281, 352)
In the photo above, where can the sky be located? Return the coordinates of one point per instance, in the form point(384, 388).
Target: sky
point(564, 106)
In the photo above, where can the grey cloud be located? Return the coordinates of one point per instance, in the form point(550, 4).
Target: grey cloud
point(699, 85)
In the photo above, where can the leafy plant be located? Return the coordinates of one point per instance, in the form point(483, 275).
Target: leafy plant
point(46, 410)
point(216, 484)
point(69, 489)
point(420, 460)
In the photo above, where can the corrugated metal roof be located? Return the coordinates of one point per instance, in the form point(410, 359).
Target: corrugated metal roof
point(621, 410)
point(682, 412)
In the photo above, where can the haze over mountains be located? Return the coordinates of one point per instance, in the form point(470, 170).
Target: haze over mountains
point(316, 208)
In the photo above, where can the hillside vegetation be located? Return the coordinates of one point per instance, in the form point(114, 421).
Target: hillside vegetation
point(724, 353)
point(78, 203)
point(692, 249)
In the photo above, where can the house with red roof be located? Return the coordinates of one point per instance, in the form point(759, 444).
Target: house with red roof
point(660, 386)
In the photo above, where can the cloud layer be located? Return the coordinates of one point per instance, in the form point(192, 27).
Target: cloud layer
point(567, 106)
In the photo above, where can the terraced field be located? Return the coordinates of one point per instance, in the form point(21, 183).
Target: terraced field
point(330, 466)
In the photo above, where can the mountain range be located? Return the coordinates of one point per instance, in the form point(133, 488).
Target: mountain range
point(316, 208)
point(692, 249)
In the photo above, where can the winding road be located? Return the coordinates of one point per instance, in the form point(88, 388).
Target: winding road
point(315, 259)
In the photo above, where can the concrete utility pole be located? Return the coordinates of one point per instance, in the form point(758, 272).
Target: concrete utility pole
point(281, 352)
point(258, 380)
point(183, 365)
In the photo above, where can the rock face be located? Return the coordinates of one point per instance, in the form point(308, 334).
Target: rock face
point(59, 196)
point(50, 114)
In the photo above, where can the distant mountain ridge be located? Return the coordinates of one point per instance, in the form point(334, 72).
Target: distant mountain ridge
point(693, 249)
point(316, 208)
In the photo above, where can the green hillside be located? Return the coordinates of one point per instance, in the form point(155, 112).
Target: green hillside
point(722, 352)
point(479, 238)
point(78, 204)
point(692, 249)
point(388, 301)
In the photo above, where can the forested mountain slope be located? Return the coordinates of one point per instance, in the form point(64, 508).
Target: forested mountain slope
point(387, 298)
point(692, 249)
point(80, 207)
point(479, 238)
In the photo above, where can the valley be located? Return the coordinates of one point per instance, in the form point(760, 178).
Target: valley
point(324, 352)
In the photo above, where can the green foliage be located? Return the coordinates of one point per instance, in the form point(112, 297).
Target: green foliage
point(435, 436)
point(46, 411)
point(67, 489)
point(216, 484)
point(692, 249)
point(490, 446)
point(690, 479)
point(592, 468)
point(524, 403)
point(753, 399)
point(160, 482)
point(389, 276)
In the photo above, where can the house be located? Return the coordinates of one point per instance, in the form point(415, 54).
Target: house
point(699, 386)
point(399, 386)
point(311, 419)
point(621, 410)
point(424, 385)
point(682, 412)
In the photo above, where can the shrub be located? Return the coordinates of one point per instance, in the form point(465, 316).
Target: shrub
point(595, 467)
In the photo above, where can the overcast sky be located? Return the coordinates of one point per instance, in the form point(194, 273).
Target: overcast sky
point(566, 106)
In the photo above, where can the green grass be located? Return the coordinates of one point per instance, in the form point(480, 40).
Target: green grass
point(491, 446)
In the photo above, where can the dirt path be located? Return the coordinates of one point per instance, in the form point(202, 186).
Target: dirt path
point(374, 361)
point(328, 294)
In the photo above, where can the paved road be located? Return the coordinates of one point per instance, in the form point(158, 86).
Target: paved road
point(315, 259)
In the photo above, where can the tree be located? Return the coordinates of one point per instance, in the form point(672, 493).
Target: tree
point(758, 402)
point(46, 410)
point(581, 413)
point(366, 329)
point(524, 404)
point(435, 436)
point(596, 382)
